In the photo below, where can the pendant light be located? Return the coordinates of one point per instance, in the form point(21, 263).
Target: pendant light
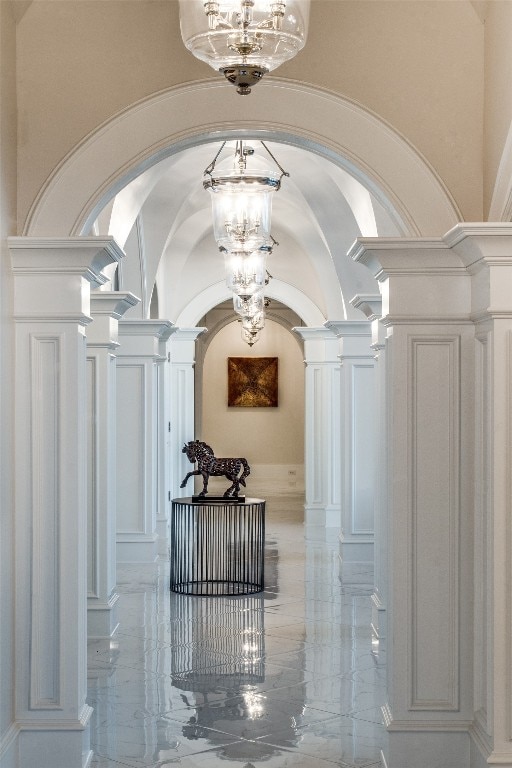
point(244, 39)
point(241, 188)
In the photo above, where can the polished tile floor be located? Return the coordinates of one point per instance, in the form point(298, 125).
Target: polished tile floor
point(283, 678)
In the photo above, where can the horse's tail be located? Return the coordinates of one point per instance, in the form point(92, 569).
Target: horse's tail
point(247, 471)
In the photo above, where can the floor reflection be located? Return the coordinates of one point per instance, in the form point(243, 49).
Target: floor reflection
point(283, 678)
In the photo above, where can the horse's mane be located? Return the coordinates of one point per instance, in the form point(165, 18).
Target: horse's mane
point(204, 446)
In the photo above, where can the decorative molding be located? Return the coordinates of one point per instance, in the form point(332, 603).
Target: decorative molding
point(163, 124)
point(159, 329)
point(92, 466)
point(113, 304)
point(132, 386)
point(8, 742)
point(434, 475)
point(70, 255)
point(369, 304)
point(57, 724)
point(45, 641)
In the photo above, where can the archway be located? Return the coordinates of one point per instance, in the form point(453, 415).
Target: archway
point(335, 127)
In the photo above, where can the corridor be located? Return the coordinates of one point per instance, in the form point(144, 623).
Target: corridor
point(284, 678)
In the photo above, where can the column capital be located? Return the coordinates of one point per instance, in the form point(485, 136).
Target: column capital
point(144, 338)
point(489, 243)
point(323, 332)
point(112, 303)
point(422, 280)
point(53, 276)
point(369, 304)
point(486, 251)
point(183, 345)
point(84, 255)
point(321, 344)
point(354, 338)
point(345, 328)
point(107, 308)
point(386, 256)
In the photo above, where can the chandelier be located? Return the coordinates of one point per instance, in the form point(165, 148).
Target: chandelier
point(244, 39)
point(241, 188)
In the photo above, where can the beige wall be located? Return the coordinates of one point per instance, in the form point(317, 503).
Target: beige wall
point(265, 436)
point(498, 89)
point(419, 65)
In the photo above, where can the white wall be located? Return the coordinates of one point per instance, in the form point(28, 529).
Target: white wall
point(271, 439)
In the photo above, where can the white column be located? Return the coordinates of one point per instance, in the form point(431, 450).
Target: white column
point(52, 280)
point(138, 357)
point(163, 480)
point(106, 310)
point(183, 352)
point(430, 362)
point(486, 249)
point(322, 427)
point(371, 306)
point(358, 415)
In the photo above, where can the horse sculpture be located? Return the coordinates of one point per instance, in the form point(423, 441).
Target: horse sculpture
point(208, 465)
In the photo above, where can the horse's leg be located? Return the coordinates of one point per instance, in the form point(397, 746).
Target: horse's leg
point(187, 476)
point(233, 488)
point(206, 476)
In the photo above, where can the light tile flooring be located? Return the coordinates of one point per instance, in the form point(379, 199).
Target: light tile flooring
point(284, 678)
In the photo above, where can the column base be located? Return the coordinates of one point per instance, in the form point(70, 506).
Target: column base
point(137, 548)
point(102, 617)
point(319, 514)
point(356, 561)
point(420, 748)
point(9, 748)
point(53, 744)
point(162, 529)
point(378, 627)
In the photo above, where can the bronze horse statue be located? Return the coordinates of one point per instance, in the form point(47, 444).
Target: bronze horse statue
point(208, 465)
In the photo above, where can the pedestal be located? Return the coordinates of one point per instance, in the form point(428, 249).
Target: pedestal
point(217, 548)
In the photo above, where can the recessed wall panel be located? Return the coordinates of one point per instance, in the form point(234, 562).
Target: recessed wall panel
point(434, 435)
point(130, 448)
point(45, 646)
point(363, 444)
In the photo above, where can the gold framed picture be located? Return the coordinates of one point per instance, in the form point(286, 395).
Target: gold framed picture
point(252, 382)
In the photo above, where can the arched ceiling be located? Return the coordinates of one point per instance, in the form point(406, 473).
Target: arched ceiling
point(163, 220)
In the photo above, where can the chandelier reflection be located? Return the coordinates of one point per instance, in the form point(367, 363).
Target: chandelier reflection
point(244, 39)
point(241, 195)
point(218, 662)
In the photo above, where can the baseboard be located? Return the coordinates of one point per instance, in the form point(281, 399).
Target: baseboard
point(9, 747)
point(136, 548)
point(102, 617)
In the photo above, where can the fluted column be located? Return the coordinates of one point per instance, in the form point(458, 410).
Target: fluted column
point(52, 279)
point(138, 436)
point(322, 427)
point(430, 434)
point(183, 355)
point(106, 309)
point(358, 430)
point(486, 250)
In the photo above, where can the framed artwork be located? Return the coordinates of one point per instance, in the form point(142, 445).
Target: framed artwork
point(252, 382)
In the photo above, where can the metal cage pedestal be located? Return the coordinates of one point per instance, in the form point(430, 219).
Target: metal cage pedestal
point(217, 548)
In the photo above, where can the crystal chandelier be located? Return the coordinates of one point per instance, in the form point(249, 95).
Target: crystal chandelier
point(242, 198)
point(241, 207)
point(244, 39)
